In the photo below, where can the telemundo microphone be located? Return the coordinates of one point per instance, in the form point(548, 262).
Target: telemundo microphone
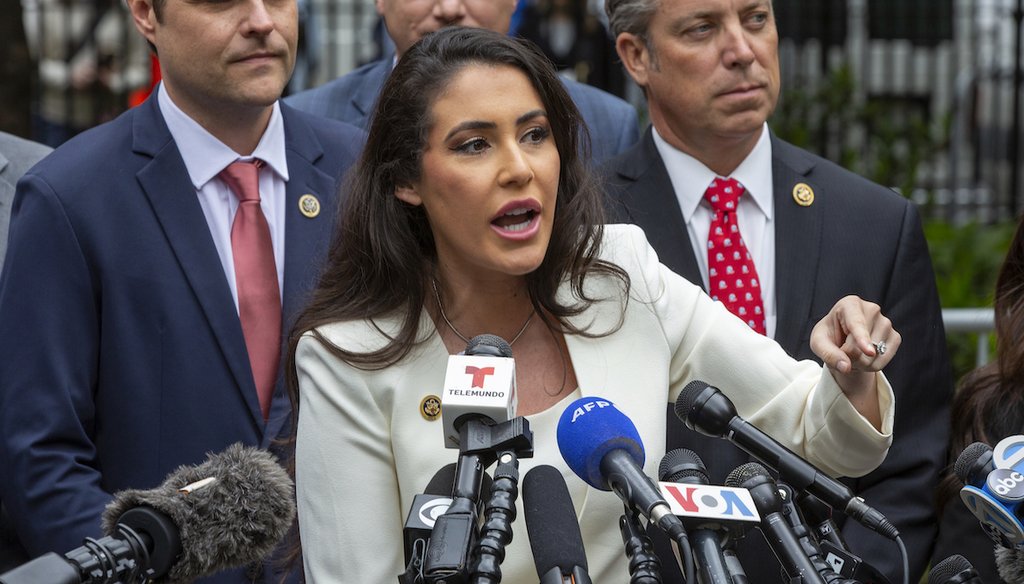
point(553, 529)
point(776, 529)
point(602, 446)
point(707, 410)
point(227, 512)
point(478, 405)
point(714, 516)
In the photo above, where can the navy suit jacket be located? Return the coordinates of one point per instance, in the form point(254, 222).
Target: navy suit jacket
point(123, 355)
point(351, 98)
point(856, 238)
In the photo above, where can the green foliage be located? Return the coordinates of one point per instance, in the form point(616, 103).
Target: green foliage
point(967, 260)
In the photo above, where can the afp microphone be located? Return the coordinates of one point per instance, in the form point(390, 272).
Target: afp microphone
point(227, 512)
point(602, 446)
point(707, 410)
point(479, 383)
point(552, 527)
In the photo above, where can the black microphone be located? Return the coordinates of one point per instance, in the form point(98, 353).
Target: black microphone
point(711, 541)
point(227, 512)
point(552, 528)
point(777, 531)
point(478, 414)
point(707, 410)
point(974, 464)
point(954, 570)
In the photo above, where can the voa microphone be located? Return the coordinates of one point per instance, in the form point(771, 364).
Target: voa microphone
point(227, 512)
point(714, 516)
point(553, 529)
point(707, 410)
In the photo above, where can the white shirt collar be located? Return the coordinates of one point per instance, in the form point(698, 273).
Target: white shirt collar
point(205, 156)
point(690, 178)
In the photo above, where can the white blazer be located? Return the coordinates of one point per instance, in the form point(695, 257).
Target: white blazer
point(364, 450)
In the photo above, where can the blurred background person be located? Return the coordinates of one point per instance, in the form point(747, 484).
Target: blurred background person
point(988, 407)
point(89, 59)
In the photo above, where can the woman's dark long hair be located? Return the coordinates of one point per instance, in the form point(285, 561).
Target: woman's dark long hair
point(383, 256)
point(990, 403)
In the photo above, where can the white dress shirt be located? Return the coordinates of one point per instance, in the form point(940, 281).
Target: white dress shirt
point(690, 178)
point(205, 157)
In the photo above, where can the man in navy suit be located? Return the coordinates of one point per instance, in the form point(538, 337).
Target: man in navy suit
point(815, 232)
point(611, 121)
point(124, 355)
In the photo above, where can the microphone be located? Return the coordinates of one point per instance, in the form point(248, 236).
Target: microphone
point(777, 531)
point(602, 446)
point(707, 410)
point(711, 539)
point(424, 511)
point(1010, 563)
point(954, 570)
point(480, 383)
point(552, 528)
point(992, 494)
point(478, 416)
point(229, 511)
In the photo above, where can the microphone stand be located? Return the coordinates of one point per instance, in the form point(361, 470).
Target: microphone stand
point(499, 514)
point(644, 566)
point(455, 536)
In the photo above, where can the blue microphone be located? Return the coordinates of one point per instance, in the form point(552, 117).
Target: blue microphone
point(602, 446)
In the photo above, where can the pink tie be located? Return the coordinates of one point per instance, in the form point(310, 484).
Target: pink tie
point(259, 296)
point(732, 278)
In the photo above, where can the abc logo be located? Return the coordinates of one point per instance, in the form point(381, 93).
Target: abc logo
point(1006, 484)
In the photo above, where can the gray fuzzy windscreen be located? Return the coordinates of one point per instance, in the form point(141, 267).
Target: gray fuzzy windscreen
point(234, 521)
point(1010, 563)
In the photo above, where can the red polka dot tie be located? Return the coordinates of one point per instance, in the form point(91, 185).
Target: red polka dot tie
point(259, 296)
point(732, 278)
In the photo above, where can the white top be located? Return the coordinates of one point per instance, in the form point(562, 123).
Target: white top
point(690, 178)
point(205, 156)
point(364, 450)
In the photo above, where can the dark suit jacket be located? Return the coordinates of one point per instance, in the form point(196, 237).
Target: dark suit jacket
point(123, 352)
point(856, 238)
point(16, 156)
point(350, 98)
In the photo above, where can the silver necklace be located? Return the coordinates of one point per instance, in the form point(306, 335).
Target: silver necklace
point(444, 317)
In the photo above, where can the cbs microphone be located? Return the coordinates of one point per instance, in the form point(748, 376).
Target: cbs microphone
point(227, 512)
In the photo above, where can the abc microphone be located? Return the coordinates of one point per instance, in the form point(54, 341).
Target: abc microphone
point(552, 528)
point(993, 494)
point(229, 511)
point(707, 410)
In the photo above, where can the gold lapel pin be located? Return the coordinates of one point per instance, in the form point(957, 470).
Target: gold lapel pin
point(803, 194)
point(309, 205)
point(430, 408)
